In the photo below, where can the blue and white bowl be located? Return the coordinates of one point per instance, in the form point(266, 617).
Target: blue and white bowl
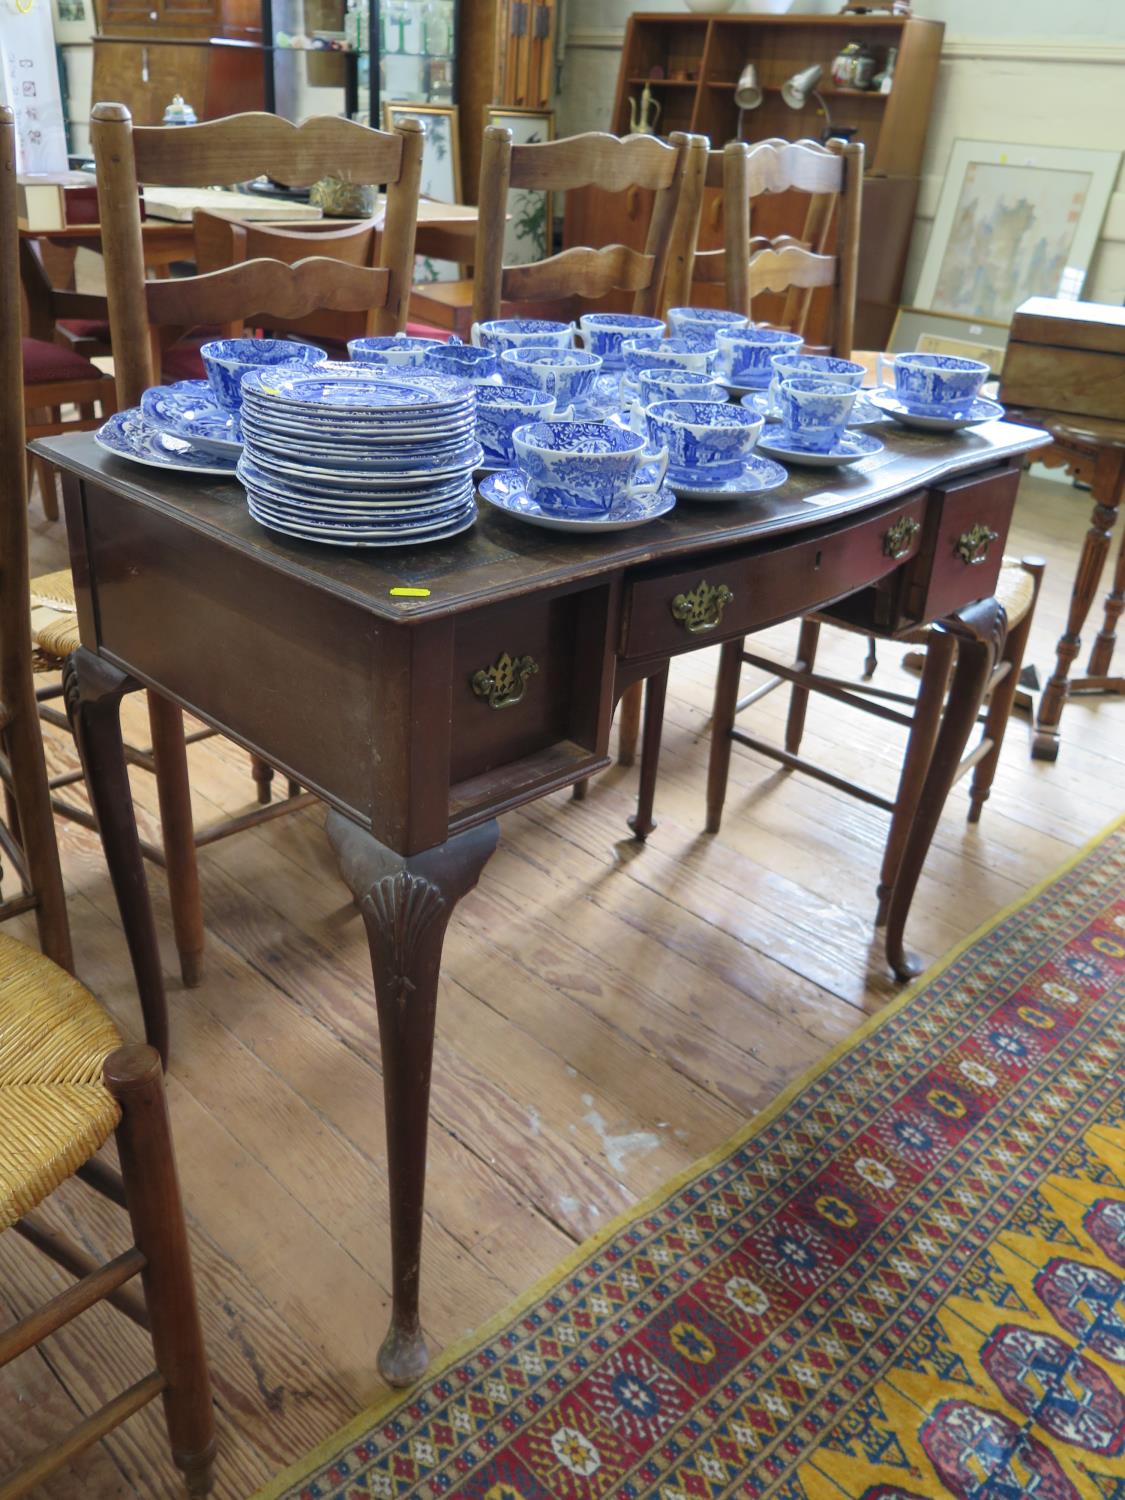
point(745, 353)
point(583, 468)
point(566, 374)
point(604, 334)
point(703, 323)
point(520, 333)
point(228, 360)
point(400, 350)
point(678, 353)
point(815, 411)
point(473, 365)
point(702, 435)
point(938, 382)
point(503, 408)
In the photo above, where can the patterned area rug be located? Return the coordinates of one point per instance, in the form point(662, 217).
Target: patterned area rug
point(905, 1280)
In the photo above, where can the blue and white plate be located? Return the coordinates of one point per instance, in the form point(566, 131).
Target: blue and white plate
point(189, 410)
point(454, 528)
point(376, 476)
point(756, 476)
point(300, 491)
point(864, 413)
point(367, 529)
point(336, 386)
point(785, 445)
point(980, 409)
point(127, 435)
point(505, 491)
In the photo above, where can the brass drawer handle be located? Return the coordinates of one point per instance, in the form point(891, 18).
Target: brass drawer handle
point(504, 683)
point(702, 607)
point(897, 540)
point(972, 545)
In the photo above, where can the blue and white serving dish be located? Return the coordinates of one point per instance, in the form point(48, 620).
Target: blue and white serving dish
point(228, 360)
point(702, 324)
point(128, 435)
point(951, 419)
point(793, 448)
point(605, 333)
point(189, 410)
point(506, 491)
point(583, 468)
point(519, 333)
point(395, 350)
point(702, 436)
point(752, 477)
point(931, 383)
point(566, 374)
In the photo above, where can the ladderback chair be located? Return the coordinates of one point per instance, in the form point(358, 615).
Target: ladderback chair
point(672, 172)
point(147, 316)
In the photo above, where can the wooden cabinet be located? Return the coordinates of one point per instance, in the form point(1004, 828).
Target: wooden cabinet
point(240, 19)
point(216, 77)
point(505, 55)
point(698, 59)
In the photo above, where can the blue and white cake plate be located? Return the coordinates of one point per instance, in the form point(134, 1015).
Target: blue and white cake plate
point(863, 414)
point(127, 435)
point(980, 409)
point(504, 490)
point(780, 443)
point(189, 410)
point(754, 476)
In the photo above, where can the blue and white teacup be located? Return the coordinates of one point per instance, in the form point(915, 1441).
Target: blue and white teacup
point(520, 333)
point(702, 436)
point(823, 366)
point(671, 384)
point(228, 360)
point(815, 411)
point(745, 353)
point(938, 381)
point(503, 408)
point(566, 374)
point(398, 349)
point(473, 365)
point(584, 468)
point(703, 323)
point(678, 353)
point(604, 334)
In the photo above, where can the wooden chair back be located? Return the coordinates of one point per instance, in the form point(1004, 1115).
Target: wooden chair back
point(221, 241)
point(27, 838)
point(748, 265)
point(672, 172)
point(231, 150)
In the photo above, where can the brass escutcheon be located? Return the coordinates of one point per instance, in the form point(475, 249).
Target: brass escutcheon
point(972, 545)
point(897, 540)
point(702, 608)
point(504, 683)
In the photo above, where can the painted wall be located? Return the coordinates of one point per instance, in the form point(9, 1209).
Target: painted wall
point(1028, 71)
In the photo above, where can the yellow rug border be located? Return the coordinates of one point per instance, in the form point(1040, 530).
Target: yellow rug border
point(373, 1415)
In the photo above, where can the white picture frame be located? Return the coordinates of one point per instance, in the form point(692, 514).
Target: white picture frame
point(528, 232)
point(73, 21)
point(1014, 221)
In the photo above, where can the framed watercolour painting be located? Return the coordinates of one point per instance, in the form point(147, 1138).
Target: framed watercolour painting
point(441, 169)
point(1014, 222)
point(528, 235)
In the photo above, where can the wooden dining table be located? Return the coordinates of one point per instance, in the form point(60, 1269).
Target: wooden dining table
point(422, 716)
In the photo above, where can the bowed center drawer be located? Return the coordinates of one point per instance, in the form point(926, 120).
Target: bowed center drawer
point(678, 609)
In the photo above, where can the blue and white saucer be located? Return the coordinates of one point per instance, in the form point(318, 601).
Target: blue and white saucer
point(783, 444)
point(980, 409)
point(505, 491)
point(863, 414)
point(756, 476)
point(189, 410)
point(127, 435)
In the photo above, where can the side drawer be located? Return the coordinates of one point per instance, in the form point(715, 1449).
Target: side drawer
point(963, 546)
point(673, 611)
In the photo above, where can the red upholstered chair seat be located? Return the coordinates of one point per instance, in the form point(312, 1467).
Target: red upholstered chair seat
point(427, 331)
point(45, 363)
point(87, 328)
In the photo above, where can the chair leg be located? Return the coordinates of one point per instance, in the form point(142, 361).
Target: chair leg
point(48, 488)
point(807, 643)
point(263, 776)
point(656, 690)
point(169, 754)
point(629, 724)
point(35, 831)
point(722, 722)
point(148, 1168)
point(1000, 703)
point(924, 727)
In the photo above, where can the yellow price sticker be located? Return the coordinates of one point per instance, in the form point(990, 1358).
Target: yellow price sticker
point(408, 593)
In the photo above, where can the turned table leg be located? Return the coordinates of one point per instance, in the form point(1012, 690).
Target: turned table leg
point(93, 691)
point(1102, 654)
point(406, 904)
point(656, 690)
point(980, 630)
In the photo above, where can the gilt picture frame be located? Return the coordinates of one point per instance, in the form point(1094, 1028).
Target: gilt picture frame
point(441, 169)
point(529, 231)
point(916, 330)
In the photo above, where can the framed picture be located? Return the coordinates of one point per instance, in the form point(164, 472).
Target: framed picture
point(1014, 222)
point(73, 20)
point(917, 331)
point(527, 237)
point(441, 170)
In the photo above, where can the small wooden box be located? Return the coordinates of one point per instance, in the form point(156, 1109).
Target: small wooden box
point(1066, 357)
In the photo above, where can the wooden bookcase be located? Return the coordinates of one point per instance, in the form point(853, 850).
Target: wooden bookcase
point(700, 57)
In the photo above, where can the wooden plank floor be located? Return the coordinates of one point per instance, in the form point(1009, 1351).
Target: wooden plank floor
point(608, 1014)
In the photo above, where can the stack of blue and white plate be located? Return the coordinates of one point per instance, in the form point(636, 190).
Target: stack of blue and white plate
point(357, 456)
